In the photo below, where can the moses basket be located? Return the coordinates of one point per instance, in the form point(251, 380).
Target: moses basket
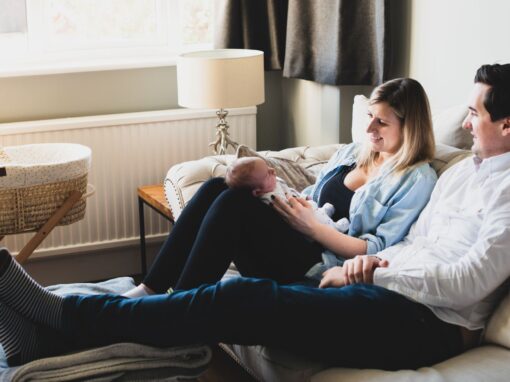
point(35, 180)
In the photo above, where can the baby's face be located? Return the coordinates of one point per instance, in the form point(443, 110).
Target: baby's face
point(264, 176)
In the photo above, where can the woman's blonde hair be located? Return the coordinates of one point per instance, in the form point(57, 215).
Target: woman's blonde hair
point(409, 102)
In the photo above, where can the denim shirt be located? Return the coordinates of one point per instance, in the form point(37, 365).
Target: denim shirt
point(383, 210)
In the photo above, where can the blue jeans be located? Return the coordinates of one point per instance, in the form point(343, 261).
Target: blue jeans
point(356, 326)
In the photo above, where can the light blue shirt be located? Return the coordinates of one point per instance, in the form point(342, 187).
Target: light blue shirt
point(383, 210)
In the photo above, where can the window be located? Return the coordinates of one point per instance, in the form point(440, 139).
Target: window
point(82, 34)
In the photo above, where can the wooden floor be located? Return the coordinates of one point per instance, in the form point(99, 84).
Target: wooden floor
point(224, 369)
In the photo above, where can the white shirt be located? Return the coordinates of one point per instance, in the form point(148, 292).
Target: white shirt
point(456, 257)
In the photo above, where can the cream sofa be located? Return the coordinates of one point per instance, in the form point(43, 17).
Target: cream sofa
point(490, 362)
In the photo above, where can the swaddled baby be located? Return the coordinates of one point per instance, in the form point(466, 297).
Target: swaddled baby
point(254, 174)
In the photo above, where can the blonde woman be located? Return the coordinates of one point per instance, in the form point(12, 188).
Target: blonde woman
point(380, 186)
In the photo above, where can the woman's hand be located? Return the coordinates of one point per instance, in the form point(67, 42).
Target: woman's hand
point(361, 269)
point(298, 213)
point(333, 278)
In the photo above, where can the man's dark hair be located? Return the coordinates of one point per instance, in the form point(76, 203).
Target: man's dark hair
point(497, 99)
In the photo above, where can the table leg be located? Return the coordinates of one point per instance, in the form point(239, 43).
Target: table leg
point(142, 235)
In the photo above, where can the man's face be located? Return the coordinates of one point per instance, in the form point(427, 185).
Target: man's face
point(489, 138)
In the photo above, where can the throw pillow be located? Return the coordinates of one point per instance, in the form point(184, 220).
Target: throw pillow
point(359, 118)
point(448, 127)
point(292, 173)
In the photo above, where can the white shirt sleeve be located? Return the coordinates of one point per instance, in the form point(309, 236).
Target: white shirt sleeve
point(471, 278)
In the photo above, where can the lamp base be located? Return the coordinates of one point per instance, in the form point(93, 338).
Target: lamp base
point(223, 140)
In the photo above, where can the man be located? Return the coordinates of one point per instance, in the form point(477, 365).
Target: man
point(414, 304)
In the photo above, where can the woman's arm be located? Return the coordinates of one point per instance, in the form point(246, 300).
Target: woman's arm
point(300, 215)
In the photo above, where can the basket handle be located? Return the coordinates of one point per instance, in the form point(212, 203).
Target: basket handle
point(91, 190)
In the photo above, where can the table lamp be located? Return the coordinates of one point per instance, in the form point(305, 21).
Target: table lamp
point(221, 79)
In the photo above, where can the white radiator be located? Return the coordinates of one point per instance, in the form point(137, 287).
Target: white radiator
point(128, 150)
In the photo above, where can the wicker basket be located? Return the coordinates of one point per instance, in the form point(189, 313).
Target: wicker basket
point(35, 180)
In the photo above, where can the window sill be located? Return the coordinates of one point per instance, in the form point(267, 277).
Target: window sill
point(48, 67)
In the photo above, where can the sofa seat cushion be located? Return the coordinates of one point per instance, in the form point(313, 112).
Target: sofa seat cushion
point(485, 363)
point(267, 364)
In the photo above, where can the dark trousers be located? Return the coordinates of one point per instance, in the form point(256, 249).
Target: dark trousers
point(356, 326)
point(220, 225)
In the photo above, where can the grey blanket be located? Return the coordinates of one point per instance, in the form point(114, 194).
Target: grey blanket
point(118, 362)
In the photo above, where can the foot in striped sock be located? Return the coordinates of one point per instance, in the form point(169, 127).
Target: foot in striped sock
point(24, 341)
point(24, 295)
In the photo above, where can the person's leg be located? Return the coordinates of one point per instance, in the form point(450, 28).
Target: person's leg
point(24, 341)
point(356, 326)
point(23, 303)
point(238, 227)
point(24, 295)
point(168, 265)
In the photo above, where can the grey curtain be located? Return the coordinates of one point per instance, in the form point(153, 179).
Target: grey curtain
point(253, 24)
point(335, 42)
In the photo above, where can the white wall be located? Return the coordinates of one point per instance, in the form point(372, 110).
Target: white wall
point(316, 114)
point(450, 39)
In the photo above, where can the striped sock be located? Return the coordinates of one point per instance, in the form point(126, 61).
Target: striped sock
point(17, 336)
point(23, 341)
point(24, 295)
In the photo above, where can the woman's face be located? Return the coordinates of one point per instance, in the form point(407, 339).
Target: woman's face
point(384, 129)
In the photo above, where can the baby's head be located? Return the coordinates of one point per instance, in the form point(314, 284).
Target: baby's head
point(252, 173)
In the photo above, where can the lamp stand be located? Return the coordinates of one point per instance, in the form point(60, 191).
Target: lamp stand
point(222, 136)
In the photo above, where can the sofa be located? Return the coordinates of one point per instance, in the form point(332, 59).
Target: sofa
point(488, 362)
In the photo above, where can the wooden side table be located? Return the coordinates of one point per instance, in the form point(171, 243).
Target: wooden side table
point(154, 197)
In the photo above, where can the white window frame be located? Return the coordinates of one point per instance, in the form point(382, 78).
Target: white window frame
point(42, 58)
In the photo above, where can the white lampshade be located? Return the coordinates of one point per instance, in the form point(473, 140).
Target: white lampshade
point(221, 78)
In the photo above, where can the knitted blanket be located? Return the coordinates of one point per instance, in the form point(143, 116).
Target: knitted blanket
point(117, 362)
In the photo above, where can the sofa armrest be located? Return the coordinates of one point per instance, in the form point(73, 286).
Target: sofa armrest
point(184, 179)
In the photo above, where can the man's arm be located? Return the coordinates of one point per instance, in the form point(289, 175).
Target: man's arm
point(470, 279)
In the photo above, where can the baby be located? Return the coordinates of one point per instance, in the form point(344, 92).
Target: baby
point(254, 173)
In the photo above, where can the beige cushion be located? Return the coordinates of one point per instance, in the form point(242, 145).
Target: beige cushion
point(486, 363)
point(448, 127)
point(498, 328)
point(359, 118)
point(447, 156)
point(447, 124)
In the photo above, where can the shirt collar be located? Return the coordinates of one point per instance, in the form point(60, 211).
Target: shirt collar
point(492, 164)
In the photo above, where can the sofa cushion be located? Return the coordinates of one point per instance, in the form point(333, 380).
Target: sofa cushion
point(446, 157)
point(498, 328)
point(267, 364)
point(447, 124)
point(448, 127)
point(486, 363)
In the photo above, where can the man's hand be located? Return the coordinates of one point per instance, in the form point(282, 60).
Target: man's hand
point(333, 278)
point(361, 269)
